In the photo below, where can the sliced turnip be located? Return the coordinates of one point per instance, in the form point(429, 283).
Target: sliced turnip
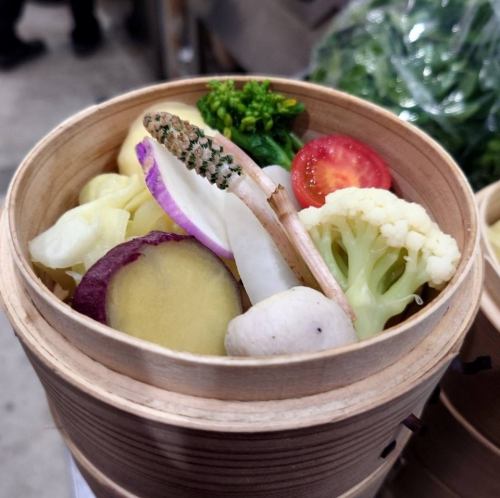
point(193, 203)
point(261, 266)
point(299, 320)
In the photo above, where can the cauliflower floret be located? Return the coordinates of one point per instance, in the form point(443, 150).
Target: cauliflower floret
point(381, 249)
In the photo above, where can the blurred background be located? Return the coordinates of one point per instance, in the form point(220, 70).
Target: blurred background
point(436, 64)
point(139, 43)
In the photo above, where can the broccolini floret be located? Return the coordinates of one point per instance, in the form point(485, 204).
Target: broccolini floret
point(255, 118)
point(382, 250)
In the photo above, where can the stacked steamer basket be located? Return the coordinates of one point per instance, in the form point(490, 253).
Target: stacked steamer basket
point(146, 421)
point(459, 453)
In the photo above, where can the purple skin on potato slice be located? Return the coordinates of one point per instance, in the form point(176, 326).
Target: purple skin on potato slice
point(90, 295)
point(166, 199)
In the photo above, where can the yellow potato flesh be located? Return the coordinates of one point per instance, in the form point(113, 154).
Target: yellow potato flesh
point(128, 164)
point(177, 295)
point(150, 216)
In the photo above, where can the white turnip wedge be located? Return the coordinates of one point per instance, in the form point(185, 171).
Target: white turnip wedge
point(261, 266)
point(193, 203)
point(263, 270)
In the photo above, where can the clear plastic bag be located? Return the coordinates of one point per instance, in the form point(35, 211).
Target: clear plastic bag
point(434, 63)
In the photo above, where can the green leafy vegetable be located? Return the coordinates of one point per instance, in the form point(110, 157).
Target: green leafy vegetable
point(435, 64)
point(255, 118)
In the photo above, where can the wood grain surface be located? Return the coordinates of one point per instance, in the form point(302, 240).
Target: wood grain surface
point(476, 396)
point(449, 459)
point(104, 487)
point(48, 181)
point(489, 213)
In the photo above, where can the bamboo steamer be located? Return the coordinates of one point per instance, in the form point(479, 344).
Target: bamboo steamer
point(449, 459)
point(489, 209)
point(48, 181)
point(151, 442)
point(459, 454)
point(477, 397)
point(414, 481)
point(102, 486)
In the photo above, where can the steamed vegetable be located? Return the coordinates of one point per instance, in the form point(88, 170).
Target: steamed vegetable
point(189, 200)
point(282, 177)
point(106, 184)
point(210, 160)
point(164, 288)
point(112, 208)
point(145, 213)
point(255, 118)
point(331, 162)
point(83, 234)
point(149, 217)
point(261, 266)
point(127, 159)
point(382, 250)
point(494, 238)
point(299, 320)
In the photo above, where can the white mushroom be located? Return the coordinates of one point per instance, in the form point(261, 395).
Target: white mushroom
point(298, 320)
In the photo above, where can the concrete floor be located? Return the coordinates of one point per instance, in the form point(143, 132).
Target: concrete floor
point(33, 461)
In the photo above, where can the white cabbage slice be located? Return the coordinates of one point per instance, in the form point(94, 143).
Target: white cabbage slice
point(81, 235)
point(112, 190)
point(112, 231)
point(85, 233)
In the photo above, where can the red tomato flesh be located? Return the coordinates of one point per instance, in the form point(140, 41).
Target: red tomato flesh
point(333, 162)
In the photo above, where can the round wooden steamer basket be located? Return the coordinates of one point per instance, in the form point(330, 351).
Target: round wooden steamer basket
point(103, 486)
point(489, 212)
point(49, 179)
point(477, 397)
point(449, 459)
point(152, 442)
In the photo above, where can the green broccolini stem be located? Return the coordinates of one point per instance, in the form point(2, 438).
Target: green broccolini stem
point(264, 149)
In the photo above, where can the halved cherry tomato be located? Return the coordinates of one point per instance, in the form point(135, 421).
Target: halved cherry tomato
point(333, 162)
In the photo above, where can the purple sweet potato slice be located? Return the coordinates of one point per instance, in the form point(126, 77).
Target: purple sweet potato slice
point(164, 288)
